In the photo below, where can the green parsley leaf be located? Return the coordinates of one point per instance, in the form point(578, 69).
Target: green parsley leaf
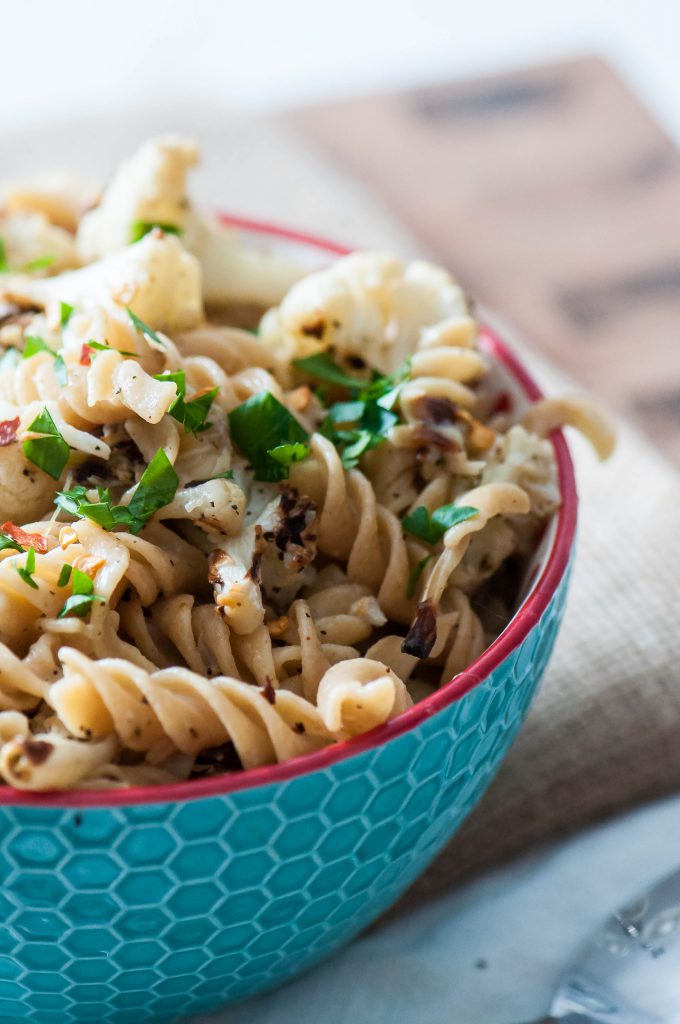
point(60, 371)
point(97, 346)
point(28, 568)
point(66, 313)
point(287, 453)
point(4, 265)
point(82, 595)
point(140, 228)
point(352, 452)
point(79, 604)
point(9, 543)
point(322, 367)
point(432, 528)
point(144, 329)
point(260, 425)
point(195, 412)
point(64, 575)
point(41, 263)
point(178, 378)
point(192, 414)
point(364, 422)
point(346, 413)
point(415, 574)
point(156, 488)
point(34, 345)
point(49, 453)
point(370, 430)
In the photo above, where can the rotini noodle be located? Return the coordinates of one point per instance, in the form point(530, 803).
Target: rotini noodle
point(222, 548)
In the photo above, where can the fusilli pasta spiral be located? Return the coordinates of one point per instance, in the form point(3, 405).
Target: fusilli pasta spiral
point(224, 547)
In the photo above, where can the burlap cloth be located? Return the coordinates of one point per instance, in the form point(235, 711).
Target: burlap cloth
point(604, 731)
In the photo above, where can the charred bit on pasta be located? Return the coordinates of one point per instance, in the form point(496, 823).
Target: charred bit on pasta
point(268, 691)
point(436, 409)
point(427, 437)
point(422, 635)
point(223, 758)
point(37, 751)
point(314, 330)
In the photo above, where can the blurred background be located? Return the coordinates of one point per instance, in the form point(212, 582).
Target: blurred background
point(530, 146)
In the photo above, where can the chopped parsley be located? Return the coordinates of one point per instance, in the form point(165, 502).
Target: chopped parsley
point(144, 328)
point(82, 595)
point(322, 367)
point(367, 428)
point(140, 228)
point(432, 528)
point(155, 489)
point(65, 314)
point(97, 346)
point(415, 574)
point(363, 422)
point(262, 425)
point(192, 414)
point(64, 575)
point(49, 453)
point(41, 263)
point(34, 345)
point(287, 453)
point(9, 543)
point(28, 568)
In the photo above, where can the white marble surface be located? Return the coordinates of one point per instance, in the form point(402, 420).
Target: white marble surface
point(490, 952)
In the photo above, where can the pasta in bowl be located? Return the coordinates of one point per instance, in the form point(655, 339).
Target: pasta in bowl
point(276, 589)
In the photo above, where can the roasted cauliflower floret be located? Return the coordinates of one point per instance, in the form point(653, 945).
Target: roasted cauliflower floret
point(157, 278)
point(148, 188)
point(369, 305)
point(151, 188)
point(32, 245)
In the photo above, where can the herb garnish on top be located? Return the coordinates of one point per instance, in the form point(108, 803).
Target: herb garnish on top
point(156, 488)
point(364, 422)
point(432, 528)
point(192, 414)
point(268, 435)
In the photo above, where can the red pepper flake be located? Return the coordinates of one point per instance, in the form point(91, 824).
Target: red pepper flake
point(8, 431)
point(503, 404)
point(27, 540)
point(86, 355)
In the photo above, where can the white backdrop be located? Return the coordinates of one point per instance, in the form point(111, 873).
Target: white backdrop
point(90, 56)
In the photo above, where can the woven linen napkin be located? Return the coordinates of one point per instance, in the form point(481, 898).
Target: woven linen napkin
point(605, 728)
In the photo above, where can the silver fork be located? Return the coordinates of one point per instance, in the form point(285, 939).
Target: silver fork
point(629, 972)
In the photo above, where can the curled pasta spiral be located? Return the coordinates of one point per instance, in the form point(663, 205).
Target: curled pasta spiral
point(176, 709)
point(221, 548)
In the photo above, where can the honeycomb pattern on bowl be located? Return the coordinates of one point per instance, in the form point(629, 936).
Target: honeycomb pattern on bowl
point(147, 912)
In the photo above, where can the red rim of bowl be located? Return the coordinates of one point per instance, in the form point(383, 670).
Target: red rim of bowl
point(519, 626)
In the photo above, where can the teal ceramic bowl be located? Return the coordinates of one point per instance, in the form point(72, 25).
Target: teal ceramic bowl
point(149, 904)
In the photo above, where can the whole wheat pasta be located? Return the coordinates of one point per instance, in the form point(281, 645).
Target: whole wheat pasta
point(222, 548)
